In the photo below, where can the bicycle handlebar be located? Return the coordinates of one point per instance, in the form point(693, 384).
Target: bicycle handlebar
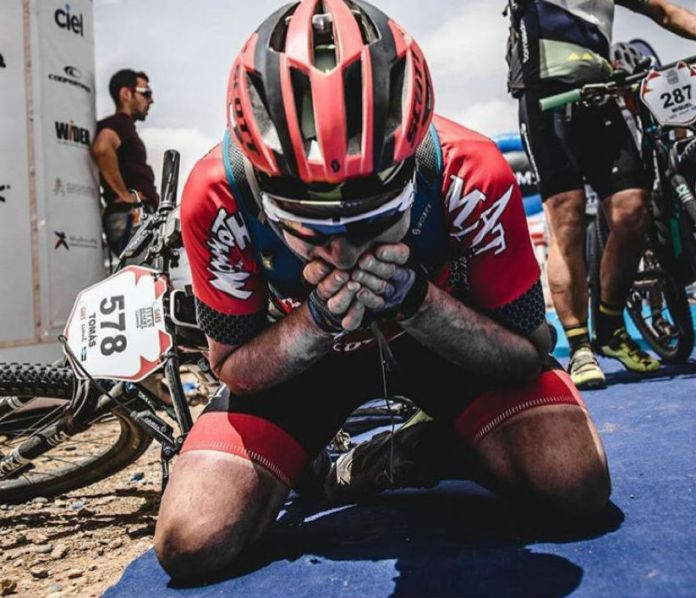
point(561, 99)
point(170, 180)
point(599, 89)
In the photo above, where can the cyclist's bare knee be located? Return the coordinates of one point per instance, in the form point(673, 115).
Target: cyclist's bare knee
point(215, 505)
point(627, 213)
point(567, 472)
point(565, 213)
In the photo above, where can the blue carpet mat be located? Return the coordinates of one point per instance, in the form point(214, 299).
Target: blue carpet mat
point(458, 540)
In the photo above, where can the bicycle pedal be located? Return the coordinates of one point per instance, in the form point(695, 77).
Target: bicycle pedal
point(159, 428)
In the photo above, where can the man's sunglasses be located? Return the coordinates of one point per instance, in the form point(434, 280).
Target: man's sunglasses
point(356, 233)
point(146, 92)
point(356, 228)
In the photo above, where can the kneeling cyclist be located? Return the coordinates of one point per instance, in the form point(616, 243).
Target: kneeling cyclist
point(339, 216)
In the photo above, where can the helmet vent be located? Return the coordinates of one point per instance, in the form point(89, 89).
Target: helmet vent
point(323, 42)
point(280, 31)
point(352, 90)
point(304, 106)
point(428, 100)
point(369, 32)
point(397, 95)
point(261, 115)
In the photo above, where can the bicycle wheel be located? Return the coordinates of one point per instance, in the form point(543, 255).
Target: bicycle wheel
point(109, 444)
point(657, 304)
point(659, 307)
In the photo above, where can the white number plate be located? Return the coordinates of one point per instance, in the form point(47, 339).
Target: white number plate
point(671, 95)
point(116, 329)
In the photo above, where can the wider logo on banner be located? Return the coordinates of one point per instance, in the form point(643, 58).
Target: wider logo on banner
point(70, 134)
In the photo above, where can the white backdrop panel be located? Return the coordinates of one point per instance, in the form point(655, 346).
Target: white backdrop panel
point(16, 286)
point(70, 226)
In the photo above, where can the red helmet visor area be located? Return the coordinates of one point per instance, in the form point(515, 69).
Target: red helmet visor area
point(329, 90)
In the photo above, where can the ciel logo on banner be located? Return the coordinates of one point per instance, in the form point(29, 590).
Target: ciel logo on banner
point(66, 20)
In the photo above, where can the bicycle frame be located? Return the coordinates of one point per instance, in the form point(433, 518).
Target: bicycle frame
point(158, 240)
point(660, 151)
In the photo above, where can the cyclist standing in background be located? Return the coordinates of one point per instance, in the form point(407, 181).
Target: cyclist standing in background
point(556, 45)
point(376, 230)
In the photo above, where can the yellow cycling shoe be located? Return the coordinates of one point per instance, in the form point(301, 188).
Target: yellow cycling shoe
point(626, 350)
point(585, 371)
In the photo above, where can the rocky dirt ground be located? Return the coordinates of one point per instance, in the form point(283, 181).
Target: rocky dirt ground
point(78, 544)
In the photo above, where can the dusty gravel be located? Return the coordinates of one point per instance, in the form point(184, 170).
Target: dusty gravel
point(51, 547)
point(79, 544)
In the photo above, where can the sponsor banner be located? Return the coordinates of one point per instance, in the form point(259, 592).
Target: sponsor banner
point(63, 187)
point(73, 77)
point(67, 178)
point(75, 260)
point(64, 81)
point(16, 282)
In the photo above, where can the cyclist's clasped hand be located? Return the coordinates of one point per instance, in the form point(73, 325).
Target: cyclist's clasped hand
point(332, 302)
point(385, 282)
point(380, 281)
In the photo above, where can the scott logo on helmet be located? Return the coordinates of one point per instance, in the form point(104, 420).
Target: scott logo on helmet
point(65, 20)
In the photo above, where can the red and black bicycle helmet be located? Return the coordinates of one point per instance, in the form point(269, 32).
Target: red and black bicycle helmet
point(330, 97)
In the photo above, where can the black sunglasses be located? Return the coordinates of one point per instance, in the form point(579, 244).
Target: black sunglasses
point(356, 233)
point(146, 92)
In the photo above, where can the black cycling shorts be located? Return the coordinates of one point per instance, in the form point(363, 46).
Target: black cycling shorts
point(312, 406)
point(284, 427)
point(573, 144)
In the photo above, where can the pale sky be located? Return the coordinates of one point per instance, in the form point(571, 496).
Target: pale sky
point(187, 48)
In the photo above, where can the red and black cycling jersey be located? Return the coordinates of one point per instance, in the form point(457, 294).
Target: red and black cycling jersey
point(488, 261)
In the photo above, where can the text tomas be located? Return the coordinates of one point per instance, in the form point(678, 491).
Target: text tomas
point(92, 330)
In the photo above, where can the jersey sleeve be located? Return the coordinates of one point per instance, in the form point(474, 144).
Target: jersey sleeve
point(487, 229)
point(231, 295)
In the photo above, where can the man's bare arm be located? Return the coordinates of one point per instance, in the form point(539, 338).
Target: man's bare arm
point(474, 341)
point(675, 18)
point(289, 346)
point(104, 151)
point(277, 354)
point(445, 325)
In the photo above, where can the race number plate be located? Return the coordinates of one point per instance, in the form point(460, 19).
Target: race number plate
point(671, 95)
point(116, 329)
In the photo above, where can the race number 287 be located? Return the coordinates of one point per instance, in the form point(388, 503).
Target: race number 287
point(118, 342)
point(676, 96)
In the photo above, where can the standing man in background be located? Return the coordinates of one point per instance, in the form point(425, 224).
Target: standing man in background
point(554, 46)
point(128, 183)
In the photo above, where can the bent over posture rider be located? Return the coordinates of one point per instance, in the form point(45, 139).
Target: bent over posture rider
point(364, 222)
